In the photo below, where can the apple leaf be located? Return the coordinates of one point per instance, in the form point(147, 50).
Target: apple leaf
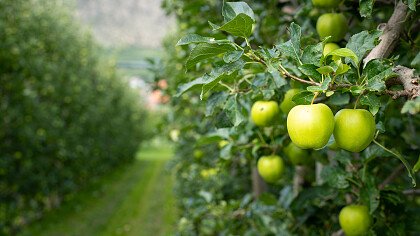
point(377, 72)
point(411, 106)
point(310, 70)
point(345, 52)
point(232, 9)
point(204, 51)
point(215, 100)
point(291, 48)
point(325, 70)
point(365, 7)
point(235, 111)
point(372, 101)
point(232, 56)
point(303, 98)
point(312, 54)
point(208, 81)
point(336, 177)
point(240, 26)
point(363, 42)
point(195, 38)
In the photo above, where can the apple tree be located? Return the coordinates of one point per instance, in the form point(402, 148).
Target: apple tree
point(300, 110)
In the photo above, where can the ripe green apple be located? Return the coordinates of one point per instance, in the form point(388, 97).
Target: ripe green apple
point(297, 156)
point(287, 104)
point(326, 3)
point(310, 126)
point(270, 168)
point(332, 24)
point(354, 129)
point(263, 113)
point(355, 219)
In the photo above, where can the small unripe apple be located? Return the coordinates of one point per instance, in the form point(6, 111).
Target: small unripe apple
point(296, 155)
point(354, 129)
point(287, 104)
point(263, 113)
point(270, 168)
point(310, 126)
point(198, 154)
point(329, 47)
point(223, 143)
point(332, 24)
point(355, 220)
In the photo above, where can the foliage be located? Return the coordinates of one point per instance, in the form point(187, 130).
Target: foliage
point(230, 55)
point(65, 116)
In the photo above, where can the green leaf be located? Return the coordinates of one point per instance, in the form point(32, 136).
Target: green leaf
point(232, 56)
point(377, 72)
point(208, 81)
point(215, 100)
point(370, 194)
point(322, 88)
point(339, 99)
point(240, 26)
point(278, 79)
point(365, 7)
point(291, 48)
point(336, 177)
point(325, 70)
point(303, 98)
point(372, 101)
point(412, 4)
point(310, 70)
point(312, 54)
point(204, 51)
point(232, 9)
point(417, 165)
point(345, 52)
point(411, 106)
point(342, 68)
point(235, 111)
point(361, 43)
point(402, 159)
point(194, 38)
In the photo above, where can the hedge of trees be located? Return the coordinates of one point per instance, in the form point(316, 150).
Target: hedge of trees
point(227, 56)
point(65, 117)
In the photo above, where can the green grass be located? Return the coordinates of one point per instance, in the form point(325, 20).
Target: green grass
point(134, 200)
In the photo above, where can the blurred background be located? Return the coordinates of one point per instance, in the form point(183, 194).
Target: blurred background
point(81, 151)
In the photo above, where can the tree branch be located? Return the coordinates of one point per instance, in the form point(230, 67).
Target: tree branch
point(392, 31)
point(412, 192)
point(391, 34)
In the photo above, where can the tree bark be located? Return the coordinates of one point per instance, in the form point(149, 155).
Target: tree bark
point(258, 184)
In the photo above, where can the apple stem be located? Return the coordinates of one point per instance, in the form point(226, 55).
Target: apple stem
point(313, 99)
point(357, 101)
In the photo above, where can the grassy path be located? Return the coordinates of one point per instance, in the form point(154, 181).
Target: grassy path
point(135, 200)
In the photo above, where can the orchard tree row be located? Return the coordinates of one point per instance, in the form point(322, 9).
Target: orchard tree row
point(65, 118)
point(295, 117)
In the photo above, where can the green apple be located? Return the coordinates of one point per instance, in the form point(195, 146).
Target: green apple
point(310, 126)
point(329, 47)
point(326, 3)
point(198, 154)
point(354, 129)
point(287, 104)
point(332, 24)
point(223, 143)
point(263, 113)
point(296, 155)
point(270, 168)
point(355, 219)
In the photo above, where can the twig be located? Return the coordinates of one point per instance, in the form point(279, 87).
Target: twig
point(412, 192)
point(338, 233)
point(298, 179)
